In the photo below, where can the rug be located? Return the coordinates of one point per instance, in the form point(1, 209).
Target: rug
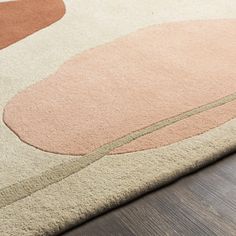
point(103, 101)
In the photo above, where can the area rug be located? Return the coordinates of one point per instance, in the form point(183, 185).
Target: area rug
point(103, 101)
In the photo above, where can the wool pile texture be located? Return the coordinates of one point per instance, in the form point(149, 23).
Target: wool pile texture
point(103, 101)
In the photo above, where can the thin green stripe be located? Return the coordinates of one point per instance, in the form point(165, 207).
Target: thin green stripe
point(26, 187)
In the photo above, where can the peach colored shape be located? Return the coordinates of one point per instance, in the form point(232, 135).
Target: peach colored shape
point(132, 82)
point(19, 19)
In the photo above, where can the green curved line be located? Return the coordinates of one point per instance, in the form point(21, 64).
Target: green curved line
point(24, 188)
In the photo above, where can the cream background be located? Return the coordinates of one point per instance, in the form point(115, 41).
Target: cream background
point(86, 24)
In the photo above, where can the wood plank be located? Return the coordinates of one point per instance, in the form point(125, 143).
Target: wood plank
point(203, 203)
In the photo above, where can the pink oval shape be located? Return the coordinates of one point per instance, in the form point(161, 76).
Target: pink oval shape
point(132, 82)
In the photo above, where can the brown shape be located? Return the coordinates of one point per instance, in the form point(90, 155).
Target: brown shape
point(115, 89)
point(19, 19)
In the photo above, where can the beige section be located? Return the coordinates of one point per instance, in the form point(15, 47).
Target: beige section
point(39, 55)
point(111, 181)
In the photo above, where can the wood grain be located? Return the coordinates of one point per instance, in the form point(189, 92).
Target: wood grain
point(203, 203)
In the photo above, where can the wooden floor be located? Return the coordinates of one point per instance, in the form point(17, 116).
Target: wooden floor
point(203, 203)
